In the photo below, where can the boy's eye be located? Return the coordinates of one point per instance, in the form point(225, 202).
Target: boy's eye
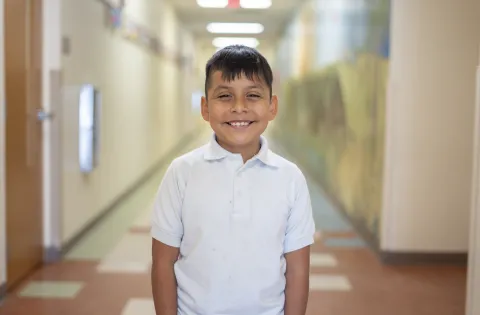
point(253, 95)
point(223, 96)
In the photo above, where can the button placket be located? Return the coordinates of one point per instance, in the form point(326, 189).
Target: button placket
point(240, 197)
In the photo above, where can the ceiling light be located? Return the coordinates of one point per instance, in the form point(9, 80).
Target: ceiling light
point(255, 4)
point(212, 3)
point(235, 28)
point(221, 42)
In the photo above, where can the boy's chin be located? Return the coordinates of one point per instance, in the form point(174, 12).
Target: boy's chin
point(238, 139)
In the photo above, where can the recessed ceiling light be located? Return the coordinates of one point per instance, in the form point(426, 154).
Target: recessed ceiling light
point(235, 28)
point(212, 3)
point(221, 42)
point(255, 4)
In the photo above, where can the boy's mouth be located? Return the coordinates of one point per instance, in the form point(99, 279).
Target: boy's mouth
point(239, 123)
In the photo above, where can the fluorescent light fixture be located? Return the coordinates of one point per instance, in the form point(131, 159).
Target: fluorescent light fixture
point(235, 28)
point(221, 42)
point(255, 4)
point(212, 3)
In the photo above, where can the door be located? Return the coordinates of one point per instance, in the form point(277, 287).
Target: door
point(23, 39)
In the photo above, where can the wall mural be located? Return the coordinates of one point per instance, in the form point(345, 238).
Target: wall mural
point(118, 21)
point(332, 115)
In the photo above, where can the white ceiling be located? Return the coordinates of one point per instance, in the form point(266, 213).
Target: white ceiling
point(195, 18)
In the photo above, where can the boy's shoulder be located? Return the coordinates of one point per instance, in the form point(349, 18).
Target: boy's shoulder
point(190, 158)
point(285, 165)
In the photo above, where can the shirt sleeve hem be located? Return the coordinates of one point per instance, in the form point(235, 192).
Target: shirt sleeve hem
point(165, 238)
point(298, 244)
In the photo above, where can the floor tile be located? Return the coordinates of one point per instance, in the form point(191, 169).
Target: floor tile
point(133, 254)
point(329, 283)
point(123, 267)
point(144, 219)
point(322, 260)
point(104, 237)
point(51, 289)
point(339, 234)
point(330, 223)
point(141, 230)
point(139, 307)
point(344, 242)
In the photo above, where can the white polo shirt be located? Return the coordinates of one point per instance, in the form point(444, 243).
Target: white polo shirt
point(233, 222)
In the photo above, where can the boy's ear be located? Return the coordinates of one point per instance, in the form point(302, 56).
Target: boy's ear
point(273, 108)
point(204, 108)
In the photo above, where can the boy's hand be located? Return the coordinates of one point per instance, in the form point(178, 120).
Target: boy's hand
point(164, 284)
point(297, 287)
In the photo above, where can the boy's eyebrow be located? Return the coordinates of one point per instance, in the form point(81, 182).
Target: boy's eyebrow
point(220, 87)
point(254, 86)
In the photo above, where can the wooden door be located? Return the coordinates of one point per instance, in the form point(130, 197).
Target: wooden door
point(23, 65)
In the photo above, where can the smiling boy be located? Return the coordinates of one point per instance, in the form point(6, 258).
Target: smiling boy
point(232, 221)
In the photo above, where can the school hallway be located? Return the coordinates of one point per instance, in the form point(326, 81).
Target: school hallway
point(107, 272)
point(378, 104)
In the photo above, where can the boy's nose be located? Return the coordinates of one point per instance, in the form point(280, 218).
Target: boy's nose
point(239, 106)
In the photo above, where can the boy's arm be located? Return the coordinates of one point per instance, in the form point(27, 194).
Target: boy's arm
point(167, 234)
point(298, 238)
point(164, 284)
point(297, 288)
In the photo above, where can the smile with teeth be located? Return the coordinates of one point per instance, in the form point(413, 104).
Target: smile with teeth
point(240, 124)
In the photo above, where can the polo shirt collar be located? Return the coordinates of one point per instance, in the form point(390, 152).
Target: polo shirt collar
point(215, 152)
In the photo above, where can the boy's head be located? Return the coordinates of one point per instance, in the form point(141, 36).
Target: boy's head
point(238, 100)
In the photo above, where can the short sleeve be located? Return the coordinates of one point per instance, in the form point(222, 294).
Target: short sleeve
point(167, 224)
point(300, 226)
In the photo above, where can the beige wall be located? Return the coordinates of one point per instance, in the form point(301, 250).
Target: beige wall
point(140, 105)
point(3, 258)
point(430, 125)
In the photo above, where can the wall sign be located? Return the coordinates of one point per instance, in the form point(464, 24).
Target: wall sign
point(88, 125)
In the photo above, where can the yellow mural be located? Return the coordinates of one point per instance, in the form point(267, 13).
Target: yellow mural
point(333, 120)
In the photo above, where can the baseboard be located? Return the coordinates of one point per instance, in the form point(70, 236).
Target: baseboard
point(406, 258)
point(3, 292)
point(52, 254)
point(103, 214)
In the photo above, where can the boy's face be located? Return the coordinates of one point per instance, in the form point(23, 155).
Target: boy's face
point(238, 111)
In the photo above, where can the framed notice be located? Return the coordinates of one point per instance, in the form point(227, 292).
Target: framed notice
point(88, 125)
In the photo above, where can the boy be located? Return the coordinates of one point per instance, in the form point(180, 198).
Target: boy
point(232, 223)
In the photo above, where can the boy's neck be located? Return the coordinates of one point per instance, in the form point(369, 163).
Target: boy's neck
point(247, 152)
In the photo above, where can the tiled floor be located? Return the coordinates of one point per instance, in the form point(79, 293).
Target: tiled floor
point(107, 273)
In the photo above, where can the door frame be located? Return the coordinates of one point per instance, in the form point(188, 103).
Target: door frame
point(3, 214)
point(473, 280)
point(52, 157)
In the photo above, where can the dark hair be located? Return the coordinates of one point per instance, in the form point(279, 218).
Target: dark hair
point(235, 60)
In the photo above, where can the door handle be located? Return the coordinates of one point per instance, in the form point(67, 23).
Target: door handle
point(43, 115)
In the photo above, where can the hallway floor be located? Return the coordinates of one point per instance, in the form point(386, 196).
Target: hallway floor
point(107, 273)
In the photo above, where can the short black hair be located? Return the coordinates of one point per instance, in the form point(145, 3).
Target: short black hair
point(235, 60)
